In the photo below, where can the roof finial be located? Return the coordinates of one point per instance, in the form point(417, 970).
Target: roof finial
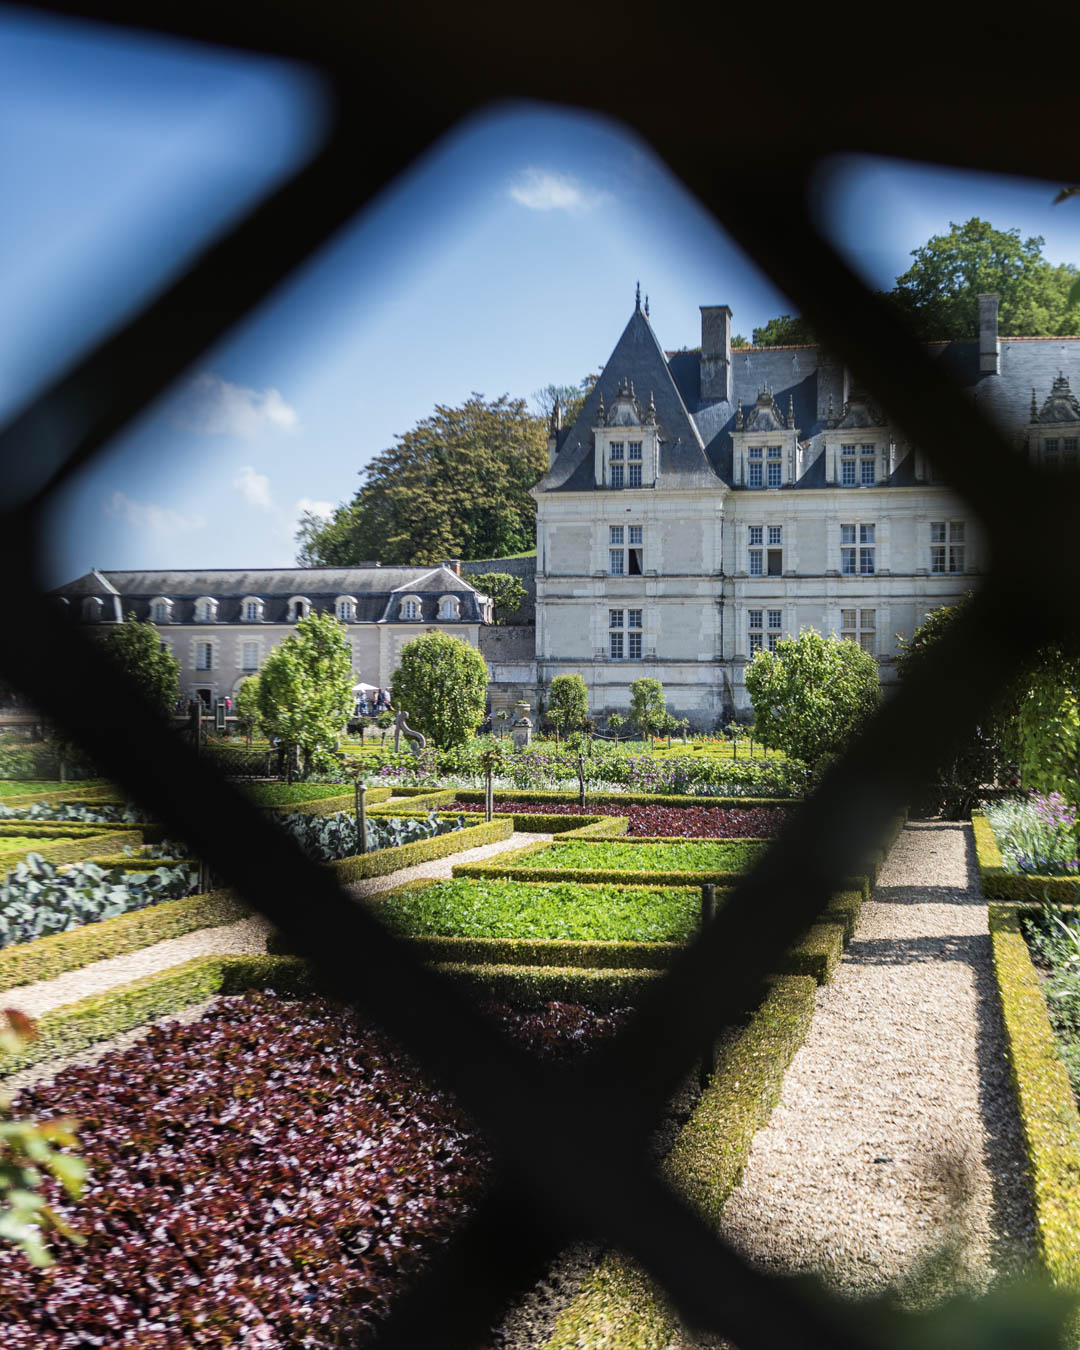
point(1034, 406)
point(830, 416)
point(637, 297)
point(646, 306)
point(790, 410)
point(601, 415)
point(738, 416)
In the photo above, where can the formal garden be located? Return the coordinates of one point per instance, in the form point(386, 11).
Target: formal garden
point(190, 1105)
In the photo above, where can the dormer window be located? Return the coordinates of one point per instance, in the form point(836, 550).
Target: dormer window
point(206, 609)
point(449, 607)
point(410, 607)
point(345, 608)
point(161, 610)
point(299, 608)
point(91, 609)
point(251, 609)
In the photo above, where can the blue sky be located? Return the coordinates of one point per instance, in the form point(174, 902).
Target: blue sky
point(507, 259)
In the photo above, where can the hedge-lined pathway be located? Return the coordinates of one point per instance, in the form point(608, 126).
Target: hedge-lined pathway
point(233, 939)
point(896, 1134)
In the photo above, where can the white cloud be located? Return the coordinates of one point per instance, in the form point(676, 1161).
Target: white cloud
point(542, 190)
point(216, 407)
point(324, 509)
point(150, 516)
point(254, 488)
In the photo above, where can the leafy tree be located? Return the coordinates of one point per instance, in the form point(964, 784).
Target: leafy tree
point(938, 293)
point(456, 485)
point(568, 703)
point(505, 590)
point(615, 724)
point(305, 689)
point(1048, 725)
point(739, 341)
point(648, 707)
point(811, 694)
point(247, 706)
point(786, 331)
point(571, 396)
point(136, 649)
point(442, 684)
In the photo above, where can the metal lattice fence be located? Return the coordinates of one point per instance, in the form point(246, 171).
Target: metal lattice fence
point(572, 1146)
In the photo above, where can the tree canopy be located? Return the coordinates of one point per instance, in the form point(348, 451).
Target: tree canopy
point(648, 706)
point(938, 294)
point(455, 485)
point(136, 649)
point(305, 689)
point(571, 396)
point(567, 703)
point(810, 695)
point(506, 592)
point(441, 682)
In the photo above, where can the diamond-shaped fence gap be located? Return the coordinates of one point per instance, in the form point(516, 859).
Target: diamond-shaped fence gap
point(521, 1106)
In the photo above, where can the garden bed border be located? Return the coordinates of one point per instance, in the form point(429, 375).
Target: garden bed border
point(998, 883)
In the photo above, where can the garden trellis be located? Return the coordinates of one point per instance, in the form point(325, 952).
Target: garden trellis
point(572, 1144)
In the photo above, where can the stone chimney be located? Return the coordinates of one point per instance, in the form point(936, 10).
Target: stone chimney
point(716, 352)
point(454, 565)
point(989, 346)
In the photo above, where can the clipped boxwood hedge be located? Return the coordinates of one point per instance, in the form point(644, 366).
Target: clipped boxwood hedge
point(998, 883)
point(618, 1307)
point(386, 860)
point(72, 793)
point(1047, 1108)
point(58, 849)
point(47, 957)
point(573, 827)
point(74, 1027)
point(600, 988)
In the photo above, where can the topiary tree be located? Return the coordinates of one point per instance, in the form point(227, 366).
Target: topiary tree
point(442, 684)
point(305, 693)
point(811, 694)
point(648, 707)
point(136, 650)
point(615, 724)
point(568, 703)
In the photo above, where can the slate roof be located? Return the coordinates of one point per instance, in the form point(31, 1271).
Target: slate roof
point(637, 357)
point(377, 591)
point(696, 448)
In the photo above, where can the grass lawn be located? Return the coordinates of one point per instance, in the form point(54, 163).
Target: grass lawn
point(21, 787)
point(545, 911)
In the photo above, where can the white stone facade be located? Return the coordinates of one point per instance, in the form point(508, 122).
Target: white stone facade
point(808, 511)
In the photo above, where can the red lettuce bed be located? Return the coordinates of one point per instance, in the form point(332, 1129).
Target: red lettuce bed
point(268, 1176)
point(674, 822)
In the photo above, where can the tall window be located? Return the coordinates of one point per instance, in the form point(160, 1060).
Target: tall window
point(346, 609)
point(617, 449)
point(1068, 446)
point(775, 628)
point(754, 469)
point(635, 475)
point(617, 475)
point(252, 611)
point(755, 629)
point(867, 466)
point(625, 561)
point(848, 464)
point(204, 656)
point(764, 561)
point(859, 625)
point(633, 635)
point(205, 610)
point(161, 611)
point(947, 546)
point(410, 609)
point(250, 656)
point(858, 559)
point(1050, 450)
point(756, 557)
point(634, 451)
point(773, 468)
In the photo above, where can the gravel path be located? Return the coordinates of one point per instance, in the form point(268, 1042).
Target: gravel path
point(235, 939)
point(896, 1138)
